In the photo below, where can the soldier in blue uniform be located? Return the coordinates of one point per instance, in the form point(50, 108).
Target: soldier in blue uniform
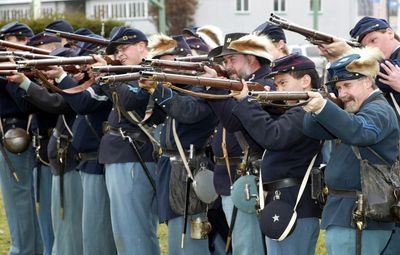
point(92, 107)
point(127, 154)
point(374, 32)
point(17, 190)
point(42, 174)
point(66, 191)
point(366, 121)
point(288, 152)
point(192, 121)
point(230, 139)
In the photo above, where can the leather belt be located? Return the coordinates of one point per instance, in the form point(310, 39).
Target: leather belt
point(233, 161)
point(343, 193)
point(87, 156)
point(175, 153)
point(14, 121)
point(135, 135)
point(283, 183)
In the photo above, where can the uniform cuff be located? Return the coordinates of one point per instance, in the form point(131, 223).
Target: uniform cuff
point(25, 84)
point(62, 76)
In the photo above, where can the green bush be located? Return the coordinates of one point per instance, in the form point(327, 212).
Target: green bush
point(77, 20)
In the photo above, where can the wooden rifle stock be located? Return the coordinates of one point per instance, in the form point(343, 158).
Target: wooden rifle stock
point(75, 37)
point(200, 81)
point(200, 58)
point(315, 37)
point(182, 65)
point(23, 47)
point(121, 77)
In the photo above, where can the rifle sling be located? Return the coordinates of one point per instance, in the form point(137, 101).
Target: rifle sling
point(74, 90)
point(197, 94)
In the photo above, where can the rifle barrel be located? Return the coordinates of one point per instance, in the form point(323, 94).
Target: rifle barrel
point(308, 33)
point(200, 81)
point(200, 58)
point(58, 62)
point(9, 67)
point(23, 47)
point(121, 69)
point(76, 37)
point(121, 77)
point(281, 95)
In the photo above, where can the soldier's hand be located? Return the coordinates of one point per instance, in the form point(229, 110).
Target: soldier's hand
point(392, 76)
point(148, 85)
point(78, 76)
point(244, 93)
point(334, 50)
point(316, 103)
point(100, 61)
point(209, 72)
point(16, 77)
point(54, 72)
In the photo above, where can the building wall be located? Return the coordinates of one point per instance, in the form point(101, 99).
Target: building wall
point(133, 12)
point(223, 14)
point(14, 9)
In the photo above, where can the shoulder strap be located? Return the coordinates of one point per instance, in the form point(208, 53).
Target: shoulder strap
point(356, 151)
point(132, 117)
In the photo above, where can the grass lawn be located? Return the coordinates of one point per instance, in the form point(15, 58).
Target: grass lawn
point(162, 234)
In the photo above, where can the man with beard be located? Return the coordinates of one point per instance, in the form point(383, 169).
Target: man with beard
point(366, 121)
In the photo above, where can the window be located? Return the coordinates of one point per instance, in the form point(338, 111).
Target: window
point(365, 7)
point(279, 6)
point(121, 10)
point(312, 5)
point(14, 14)
point(242, 5)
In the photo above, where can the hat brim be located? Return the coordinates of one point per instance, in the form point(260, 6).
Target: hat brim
point(344, 79)
point(271, 74)
point(112, 47)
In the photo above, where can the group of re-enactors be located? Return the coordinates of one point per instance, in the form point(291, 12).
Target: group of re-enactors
point(90, 181)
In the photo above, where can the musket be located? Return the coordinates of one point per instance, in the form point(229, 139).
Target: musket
point(23, 47)
point(120, 77)
point(200, 81)
point(182, 65)
point(58, 62)
point(23, 54)
point(265, 96)
point(200, 58)
point(121, 69)
point(313, 36)
point(75, 37)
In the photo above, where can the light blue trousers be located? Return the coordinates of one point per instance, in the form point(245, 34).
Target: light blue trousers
point(190, 246)
point(19, 204)
point(44, 207)
point(96, 220)
point(341, 241)
point(301, 241)
point(67, 230)
point(133, 208)
point(246, 236)
point(393, 247)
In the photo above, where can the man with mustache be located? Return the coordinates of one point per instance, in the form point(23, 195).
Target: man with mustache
point(366, 121)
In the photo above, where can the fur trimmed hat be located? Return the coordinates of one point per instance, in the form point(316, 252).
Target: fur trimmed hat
point(211, 35)
point(355, 64)
point(252, 44)
point(161, 44)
